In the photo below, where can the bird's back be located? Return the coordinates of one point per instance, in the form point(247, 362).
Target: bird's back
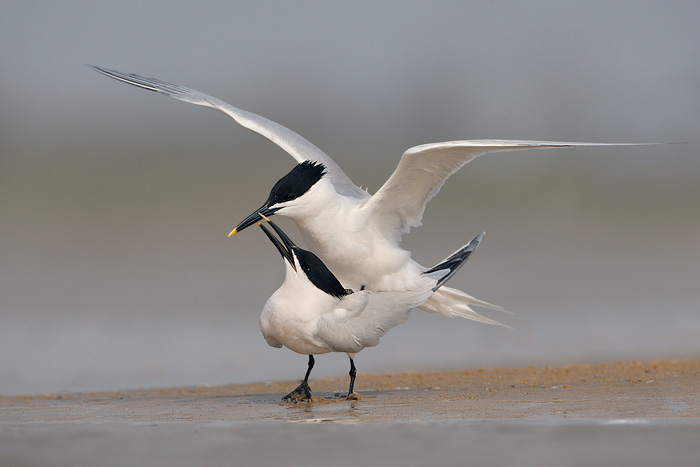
point(362, 318)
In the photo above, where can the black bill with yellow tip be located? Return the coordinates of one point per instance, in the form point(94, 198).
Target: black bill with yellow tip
point(254, 218)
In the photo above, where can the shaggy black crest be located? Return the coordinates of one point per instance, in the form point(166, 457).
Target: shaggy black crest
point(297, 182)
point(319, 274)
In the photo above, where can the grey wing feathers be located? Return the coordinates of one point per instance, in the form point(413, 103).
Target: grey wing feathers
point(298, 147)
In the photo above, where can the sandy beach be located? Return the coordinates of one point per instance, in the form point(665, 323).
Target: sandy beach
point(606, 391)
point(636, 411)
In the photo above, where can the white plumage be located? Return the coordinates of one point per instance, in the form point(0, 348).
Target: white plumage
point(312, 313)
point(358, 235)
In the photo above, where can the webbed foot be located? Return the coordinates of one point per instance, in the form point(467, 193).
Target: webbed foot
point(301, 394)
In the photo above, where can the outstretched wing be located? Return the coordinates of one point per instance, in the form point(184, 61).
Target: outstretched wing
point(400, 202)
point(298, 147)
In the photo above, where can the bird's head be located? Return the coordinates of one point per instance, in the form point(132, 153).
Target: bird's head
point(290, 193)
point(311, 265)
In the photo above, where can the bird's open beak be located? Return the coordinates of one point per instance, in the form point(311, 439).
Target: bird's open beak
point(284, 244)
point(254, 218)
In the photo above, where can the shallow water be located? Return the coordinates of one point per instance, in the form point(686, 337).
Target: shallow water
point(504, 442)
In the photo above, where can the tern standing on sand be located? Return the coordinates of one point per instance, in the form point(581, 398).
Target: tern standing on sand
point(312, 313)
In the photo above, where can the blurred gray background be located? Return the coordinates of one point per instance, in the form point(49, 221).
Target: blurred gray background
point(115, 203)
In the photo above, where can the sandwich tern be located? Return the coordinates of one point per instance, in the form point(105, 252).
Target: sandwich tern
point(346, 226)
point(313, 313)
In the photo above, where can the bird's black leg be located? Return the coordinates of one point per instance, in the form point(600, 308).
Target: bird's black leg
point(308, 370)
point(303, 391)
point(353, 372)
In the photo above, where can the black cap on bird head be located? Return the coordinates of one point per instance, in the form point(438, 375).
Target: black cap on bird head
point(315, 269)
point(296, 183)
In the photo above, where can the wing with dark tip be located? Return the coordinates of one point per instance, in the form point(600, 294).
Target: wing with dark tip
point(450, 265)
point(298, 147)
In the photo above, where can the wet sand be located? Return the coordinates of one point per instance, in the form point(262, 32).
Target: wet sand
point(482, 413)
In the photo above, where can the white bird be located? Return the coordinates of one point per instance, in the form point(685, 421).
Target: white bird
point(342, 223)
point(312, 313)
